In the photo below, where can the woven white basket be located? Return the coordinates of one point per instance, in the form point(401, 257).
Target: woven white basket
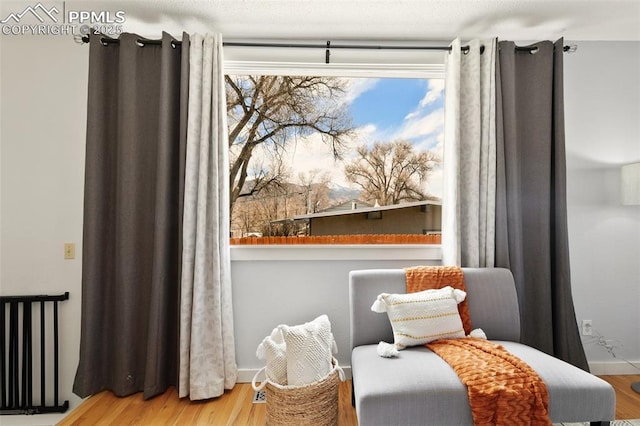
point(312, 404)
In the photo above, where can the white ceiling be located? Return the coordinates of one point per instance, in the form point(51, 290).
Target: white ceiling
point(382, 20)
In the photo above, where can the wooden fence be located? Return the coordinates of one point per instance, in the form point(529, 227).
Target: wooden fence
point(341, 239)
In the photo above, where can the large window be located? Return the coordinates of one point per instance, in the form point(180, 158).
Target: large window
point(330, 160)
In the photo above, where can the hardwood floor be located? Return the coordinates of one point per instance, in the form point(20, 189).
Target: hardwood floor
point(232, 408)
point(627, 401)
point(235, 407)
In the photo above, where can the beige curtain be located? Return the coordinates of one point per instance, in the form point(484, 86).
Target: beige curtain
point(207, 350)
point(468, 217)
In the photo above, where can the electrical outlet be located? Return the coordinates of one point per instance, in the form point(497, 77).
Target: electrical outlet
point(69, 251)
point(587, 328)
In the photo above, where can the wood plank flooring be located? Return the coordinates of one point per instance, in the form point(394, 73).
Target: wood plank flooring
point(627, 400)
point(232, 408)
point(235, 407)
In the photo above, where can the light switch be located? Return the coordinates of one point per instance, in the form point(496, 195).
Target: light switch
point(69, 251)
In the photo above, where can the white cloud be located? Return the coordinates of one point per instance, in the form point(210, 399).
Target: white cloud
point(422, 126)
point(358, 86)
point(435, 183)
point(436, 87)
point(426, 130)
point(434, 91)
point(311, 153)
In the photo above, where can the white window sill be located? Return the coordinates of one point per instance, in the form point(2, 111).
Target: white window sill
point(337, 252)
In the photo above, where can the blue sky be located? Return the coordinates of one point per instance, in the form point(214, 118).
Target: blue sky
point(400, 108)
point(388, 102)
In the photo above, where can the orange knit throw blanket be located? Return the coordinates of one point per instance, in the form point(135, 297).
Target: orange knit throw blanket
point(419, 278)
point(502, 389)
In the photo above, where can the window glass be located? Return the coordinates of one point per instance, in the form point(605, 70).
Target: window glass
point(335, 160)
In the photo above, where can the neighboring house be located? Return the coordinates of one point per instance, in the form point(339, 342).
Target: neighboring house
point(420, 217)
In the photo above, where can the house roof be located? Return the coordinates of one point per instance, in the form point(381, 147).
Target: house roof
point(347, 205)
point(367, 210)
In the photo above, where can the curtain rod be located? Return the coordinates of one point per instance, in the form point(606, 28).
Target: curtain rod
point(328, 46)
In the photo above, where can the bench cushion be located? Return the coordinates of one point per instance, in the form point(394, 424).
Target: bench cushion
point(493, 303)
point(419, 388)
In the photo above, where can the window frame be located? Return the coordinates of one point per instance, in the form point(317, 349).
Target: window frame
point(268, 252)
point(336, 252)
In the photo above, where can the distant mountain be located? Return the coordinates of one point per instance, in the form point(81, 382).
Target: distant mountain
point(339, 193)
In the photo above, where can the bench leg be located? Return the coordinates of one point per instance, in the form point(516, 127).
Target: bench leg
point(353, 394)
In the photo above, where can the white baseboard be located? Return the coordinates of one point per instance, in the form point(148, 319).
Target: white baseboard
point(245, 375)
point(614, 368)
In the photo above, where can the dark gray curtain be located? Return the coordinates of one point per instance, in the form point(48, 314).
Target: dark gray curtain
point(531, 216)
point(134, 179)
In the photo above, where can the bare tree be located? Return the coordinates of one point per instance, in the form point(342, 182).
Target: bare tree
point(268, 111)
point(391, 172)
point(269, 211)
point(269, 179)
point(273, 208)
point(265, 175)
point(315, 189)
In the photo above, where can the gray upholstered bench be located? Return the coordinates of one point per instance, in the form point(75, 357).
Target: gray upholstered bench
point(419, 388)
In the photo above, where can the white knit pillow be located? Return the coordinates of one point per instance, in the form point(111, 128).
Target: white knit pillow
point(273, 350)
point(309, 351)
point(421, 317)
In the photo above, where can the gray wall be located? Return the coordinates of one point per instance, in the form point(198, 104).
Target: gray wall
point(43, 117)
point(43, 87)
point(272, 292)
point(602, 115)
